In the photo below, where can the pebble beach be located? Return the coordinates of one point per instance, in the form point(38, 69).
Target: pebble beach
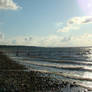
point(16, 78)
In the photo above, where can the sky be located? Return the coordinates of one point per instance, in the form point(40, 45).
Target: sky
point(46, 23)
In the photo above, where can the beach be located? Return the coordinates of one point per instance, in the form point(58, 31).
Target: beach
point(16, 78)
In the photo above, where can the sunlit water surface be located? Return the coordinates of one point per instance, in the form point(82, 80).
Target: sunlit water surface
point(69, 64)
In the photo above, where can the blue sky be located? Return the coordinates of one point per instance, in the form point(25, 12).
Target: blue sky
point(46, 22)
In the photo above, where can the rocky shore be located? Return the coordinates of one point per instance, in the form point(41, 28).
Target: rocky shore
point(14, 78)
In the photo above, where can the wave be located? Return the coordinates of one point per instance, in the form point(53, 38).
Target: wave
point(65, 75)
point(81, 84)
point(89, 63)
point(67, 67)
point(58, 66)
point(34, 65)
point(53, 61)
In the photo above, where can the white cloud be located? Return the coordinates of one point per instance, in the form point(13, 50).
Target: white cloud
point(67, 28)
point(1, 36)
point(74, 23)
point(82, 40)
point(80, 20)
point(59, 24)
point(2, 41)
point(50, 41)
point(8, 4)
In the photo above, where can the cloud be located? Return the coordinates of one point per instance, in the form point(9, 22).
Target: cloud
point(68, 28)
point(82, 40)
point(74, 23)
point(1, 36)
point(28, 39)
point(59, 24)
point(50, 41)
point(80, 20)
point(66, 39)
point(13, 42)
point(47, 41)
point(8, 4)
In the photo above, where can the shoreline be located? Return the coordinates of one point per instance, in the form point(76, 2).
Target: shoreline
point(16, 78)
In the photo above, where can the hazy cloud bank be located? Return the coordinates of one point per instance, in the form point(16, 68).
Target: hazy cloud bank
point(51, 41)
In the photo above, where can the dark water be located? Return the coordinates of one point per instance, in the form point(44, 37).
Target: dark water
point(69, 64)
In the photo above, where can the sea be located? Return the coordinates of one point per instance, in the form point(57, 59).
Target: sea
point(73, 64)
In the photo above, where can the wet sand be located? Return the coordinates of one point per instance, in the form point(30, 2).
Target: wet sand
point(16, 78)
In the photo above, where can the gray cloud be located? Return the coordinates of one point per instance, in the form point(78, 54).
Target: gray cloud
point(89, 20)
point(28, 39)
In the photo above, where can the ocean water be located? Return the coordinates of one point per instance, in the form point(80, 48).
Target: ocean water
point(69, 64)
